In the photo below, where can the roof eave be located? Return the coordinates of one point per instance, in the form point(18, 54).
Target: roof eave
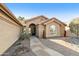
point(9, 13)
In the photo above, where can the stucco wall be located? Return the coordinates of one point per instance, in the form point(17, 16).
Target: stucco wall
point(39, 28)
point(62, 30)
point(35, 21)
point(9, 32)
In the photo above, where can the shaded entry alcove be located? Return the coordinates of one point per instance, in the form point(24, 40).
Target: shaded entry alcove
point(32, 29)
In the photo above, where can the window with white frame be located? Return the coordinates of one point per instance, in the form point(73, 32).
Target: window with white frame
point(53, 29)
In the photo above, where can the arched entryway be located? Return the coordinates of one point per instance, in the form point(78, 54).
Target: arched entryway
point(32, 29)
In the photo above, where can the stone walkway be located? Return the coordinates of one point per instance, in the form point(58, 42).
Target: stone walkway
point(40, 50)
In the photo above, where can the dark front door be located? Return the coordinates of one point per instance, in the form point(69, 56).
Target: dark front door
point(64, 33)
point(33, 29)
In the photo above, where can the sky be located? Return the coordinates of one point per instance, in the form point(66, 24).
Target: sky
point(65, 12)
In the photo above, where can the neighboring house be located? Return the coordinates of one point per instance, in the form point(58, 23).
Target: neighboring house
point(43, 27)
point(10, 28)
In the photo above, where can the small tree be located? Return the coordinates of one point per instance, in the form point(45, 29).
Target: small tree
point(21, 18)
point(74, 26)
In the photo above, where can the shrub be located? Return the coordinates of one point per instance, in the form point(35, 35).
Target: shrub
point(25, 34)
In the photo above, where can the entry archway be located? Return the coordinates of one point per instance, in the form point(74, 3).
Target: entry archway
point(32, 29)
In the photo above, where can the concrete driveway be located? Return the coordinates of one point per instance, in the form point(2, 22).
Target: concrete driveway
point(60, 45)
point(40, 49)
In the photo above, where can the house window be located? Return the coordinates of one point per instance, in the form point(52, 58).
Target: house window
point(53, 29)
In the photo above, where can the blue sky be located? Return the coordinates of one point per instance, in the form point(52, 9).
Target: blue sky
point(63, 11)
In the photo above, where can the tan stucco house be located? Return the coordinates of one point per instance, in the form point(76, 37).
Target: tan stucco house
point(43, 27)
point(10, 28)
point(40, 26)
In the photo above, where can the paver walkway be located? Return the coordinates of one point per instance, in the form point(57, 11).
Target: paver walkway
point(39, 49)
